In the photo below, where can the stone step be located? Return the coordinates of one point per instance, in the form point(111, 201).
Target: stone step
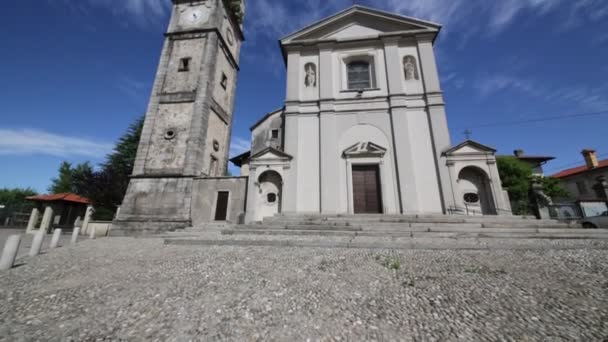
point(404, 243)
point(354, 220)
point(432, 217)
point(298, 227)
point(385, 225)
point(452, 233)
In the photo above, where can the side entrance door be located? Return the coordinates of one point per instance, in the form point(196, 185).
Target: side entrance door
point(221, 206)
point(367, 197)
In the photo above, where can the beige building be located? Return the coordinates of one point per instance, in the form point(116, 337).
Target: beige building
point(587, 182)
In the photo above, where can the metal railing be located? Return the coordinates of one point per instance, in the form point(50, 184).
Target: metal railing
point(469, 210)
point(565, 211)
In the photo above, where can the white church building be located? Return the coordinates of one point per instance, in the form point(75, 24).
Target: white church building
point(363, 128)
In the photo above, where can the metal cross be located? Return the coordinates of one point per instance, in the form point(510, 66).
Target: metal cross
point(467, 133)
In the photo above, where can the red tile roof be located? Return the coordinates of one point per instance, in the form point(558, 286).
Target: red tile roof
point(579, 169)
point(67, 197)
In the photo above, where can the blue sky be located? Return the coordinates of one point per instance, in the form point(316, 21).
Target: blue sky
point(76, 73)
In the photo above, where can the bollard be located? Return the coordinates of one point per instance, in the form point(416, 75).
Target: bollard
point(75, 234)
point(37, 243)
point(55, 239)
point(93, 232)
point(9, 253)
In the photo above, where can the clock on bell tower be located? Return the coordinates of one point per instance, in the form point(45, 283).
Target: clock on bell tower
point(188, 123)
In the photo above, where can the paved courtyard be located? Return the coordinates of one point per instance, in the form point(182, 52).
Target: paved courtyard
point(140, 289)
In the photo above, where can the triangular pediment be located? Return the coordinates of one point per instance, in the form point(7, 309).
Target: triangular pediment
point(469, 147)
point(365, 149)
point(270, 153)
point(360, 22)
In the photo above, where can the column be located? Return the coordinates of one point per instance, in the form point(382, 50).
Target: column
point(499, 198)
point(47, 219)
point(252, 196)
point(87, 218)
point(31, 224)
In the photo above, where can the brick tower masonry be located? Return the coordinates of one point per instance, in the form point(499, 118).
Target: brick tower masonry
point(186, 133)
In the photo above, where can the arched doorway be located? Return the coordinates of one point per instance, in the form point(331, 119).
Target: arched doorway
point(269, 194)
point(476, 191)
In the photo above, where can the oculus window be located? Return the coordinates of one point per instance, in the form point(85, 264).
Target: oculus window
point(271, 197)
point(471, 198)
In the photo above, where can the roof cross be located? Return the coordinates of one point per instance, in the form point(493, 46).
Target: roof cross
point(467, 133)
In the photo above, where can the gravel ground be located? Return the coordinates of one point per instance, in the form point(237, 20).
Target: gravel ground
point(140, 289)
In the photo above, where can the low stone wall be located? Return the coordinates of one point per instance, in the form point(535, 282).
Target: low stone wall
point(102, 228)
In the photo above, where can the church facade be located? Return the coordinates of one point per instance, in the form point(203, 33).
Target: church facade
point(363, 130)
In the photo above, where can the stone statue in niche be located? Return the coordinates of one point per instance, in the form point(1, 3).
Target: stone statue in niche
point(311, 75)
point(410, 68)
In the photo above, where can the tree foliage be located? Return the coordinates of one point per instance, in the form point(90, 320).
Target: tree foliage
point(107, 185)
point(14, 200)
point(16, 196)
point(63, 182)
point(234, 6)
point(66, 181)
point(517, 176)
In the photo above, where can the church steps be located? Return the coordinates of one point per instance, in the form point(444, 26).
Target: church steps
point(513, 234)
point(371, 225)
point(486, 221)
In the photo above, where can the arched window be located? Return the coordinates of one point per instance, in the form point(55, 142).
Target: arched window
point(359, 75)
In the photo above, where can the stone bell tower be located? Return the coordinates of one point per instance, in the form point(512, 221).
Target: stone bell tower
point(186, 133)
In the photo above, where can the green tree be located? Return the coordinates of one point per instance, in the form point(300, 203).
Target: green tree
point(516, 177)
point(16, 196)
point(14, 200)
point(63, 182)
point(68, 178)
point(553, 188)
point(107, 186)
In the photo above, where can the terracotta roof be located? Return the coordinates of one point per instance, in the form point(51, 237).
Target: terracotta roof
point(579, 169)
point(66, 197)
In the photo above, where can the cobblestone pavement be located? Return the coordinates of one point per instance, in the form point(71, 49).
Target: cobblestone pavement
point(139, 289)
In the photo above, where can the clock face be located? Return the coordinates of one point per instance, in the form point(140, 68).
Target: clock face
point(194, 15)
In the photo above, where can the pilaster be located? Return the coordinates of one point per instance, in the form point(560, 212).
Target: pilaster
point(440, 133)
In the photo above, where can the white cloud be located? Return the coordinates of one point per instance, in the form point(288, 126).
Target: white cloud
point(135, 89)
point(582, 96)
point(239, 145)
point(466, 16)
point(143, 13)
point(37, 142)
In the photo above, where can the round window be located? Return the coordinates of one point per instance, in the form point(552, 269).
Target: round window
point(216, 145)
point(471, 197)
point(271, 197)
point(170, 134)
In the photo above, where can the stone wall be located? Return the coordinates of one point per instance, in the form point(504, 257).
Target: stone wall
point(204, 196)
